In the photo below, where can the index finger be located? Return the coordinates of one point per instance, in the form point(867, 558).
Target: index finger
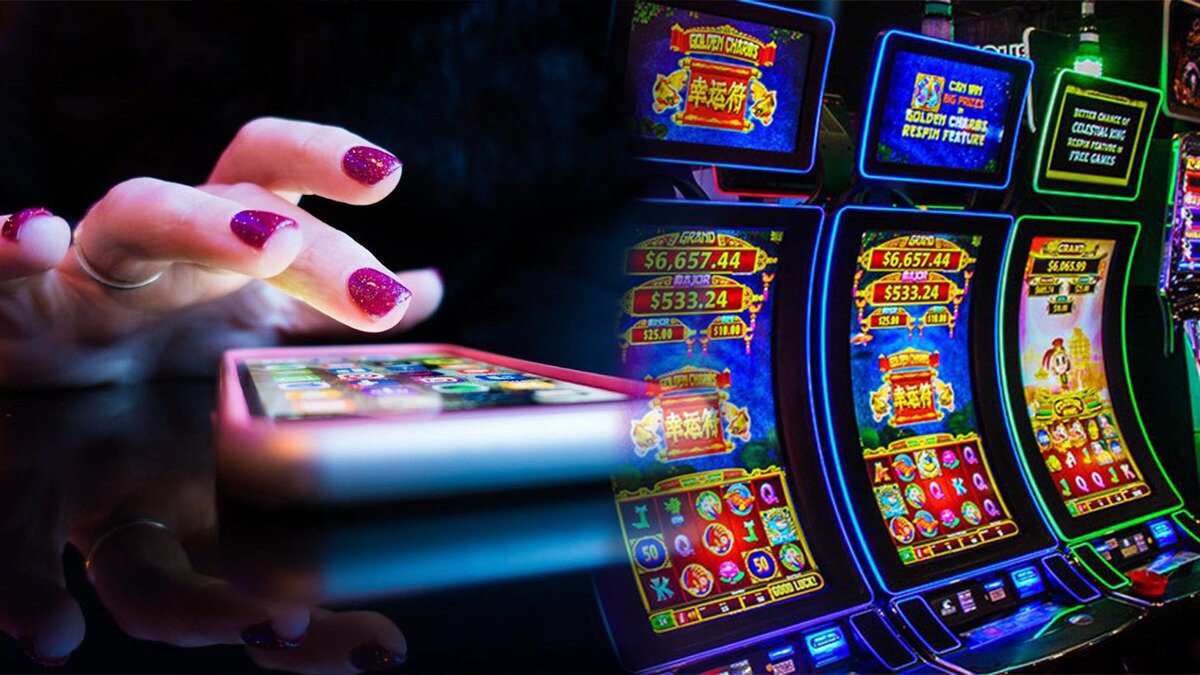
point(293, 158)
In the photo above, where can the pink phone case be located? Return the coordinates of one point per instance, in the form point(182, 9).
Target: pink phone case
point(416, 454)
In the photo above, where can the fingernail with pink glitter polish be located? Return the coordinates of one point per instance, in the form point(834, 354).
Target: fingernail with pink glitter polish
point(11, 230)
point(256, 227)
point(369, 165)
point(375, 292)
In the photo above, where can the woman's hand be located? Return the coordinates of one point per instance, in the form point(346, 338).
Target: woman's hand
point(162, 277)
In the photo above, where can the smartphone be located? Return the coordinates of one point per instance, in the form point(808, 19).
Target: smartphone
point(391, 422)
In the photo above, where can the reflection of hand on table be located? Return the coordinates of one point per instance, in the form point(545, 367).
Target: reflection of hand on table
point(162, 277)
point(99, 469)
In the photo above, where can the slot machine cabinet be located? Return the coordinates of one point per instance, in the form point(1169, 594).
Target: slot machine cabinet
point(916, 436)
point(1065, 372)
point(737, 561)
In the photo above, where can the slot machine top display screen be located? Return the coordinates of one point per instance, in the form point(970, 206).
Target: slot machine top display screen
point(1096, 137)
point(705, 500)
point(1181, 59)
point(941, 112)
point(1067, 398)
point(914, 401)
point(726, 83)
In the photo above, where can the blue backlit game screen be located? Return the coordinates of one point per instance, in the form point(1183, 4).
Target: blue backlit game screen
point(722, 88)
point(944, 112)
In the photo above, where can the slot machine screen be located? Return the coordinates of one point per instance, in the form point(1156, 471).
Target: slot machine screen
point(1067, 398)
point(1096, 137)
point(914, 400)
point(725, 83)
point(945, 113)
point(1181, 59)
point(706, 501)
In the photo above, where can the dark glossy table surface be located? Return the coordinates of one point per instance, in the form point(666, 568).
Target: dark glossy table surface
point(481, 583)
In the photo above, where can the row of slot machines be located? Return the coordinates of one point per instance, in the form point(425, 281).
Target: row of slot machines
point(881, 434)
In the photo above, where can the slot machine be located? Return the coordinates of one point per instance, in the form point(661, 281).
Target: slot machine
point(1177, 286)
point(1072, 413)
point(737, 560)
point(909, 392)
point(1180, 84)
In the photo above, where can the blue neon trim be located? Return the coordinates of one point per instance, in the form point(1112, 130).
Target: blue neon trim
point(832, 433)
point(816, 131)
point(945, 46)
point(863, 642)
point(812, 405)
point(1050, 572)
point(896, 604)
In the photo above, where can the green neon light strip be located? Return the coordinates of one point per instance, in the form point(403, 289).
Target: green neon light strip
point(1186, 522)
point(1176, 151)
point(1151, 112)
point(1054, 619)
point(1101, 577)
point(1010, 409)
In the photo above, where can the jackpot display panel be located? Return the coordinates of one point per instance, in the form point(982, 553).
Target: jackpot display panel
point(723, 504)
point(725, 83)
point(1181, 59)
point(1079, 434)
point(945, 113)
point(1095, 137)
point(929, 478)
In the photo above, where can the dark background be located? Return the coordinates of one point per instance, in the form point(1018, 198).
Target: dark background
point(502, 113)
point(514, 170)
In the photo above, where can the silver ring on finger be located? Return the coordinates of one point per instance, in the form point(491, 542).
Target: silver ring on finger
point(103, 279)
